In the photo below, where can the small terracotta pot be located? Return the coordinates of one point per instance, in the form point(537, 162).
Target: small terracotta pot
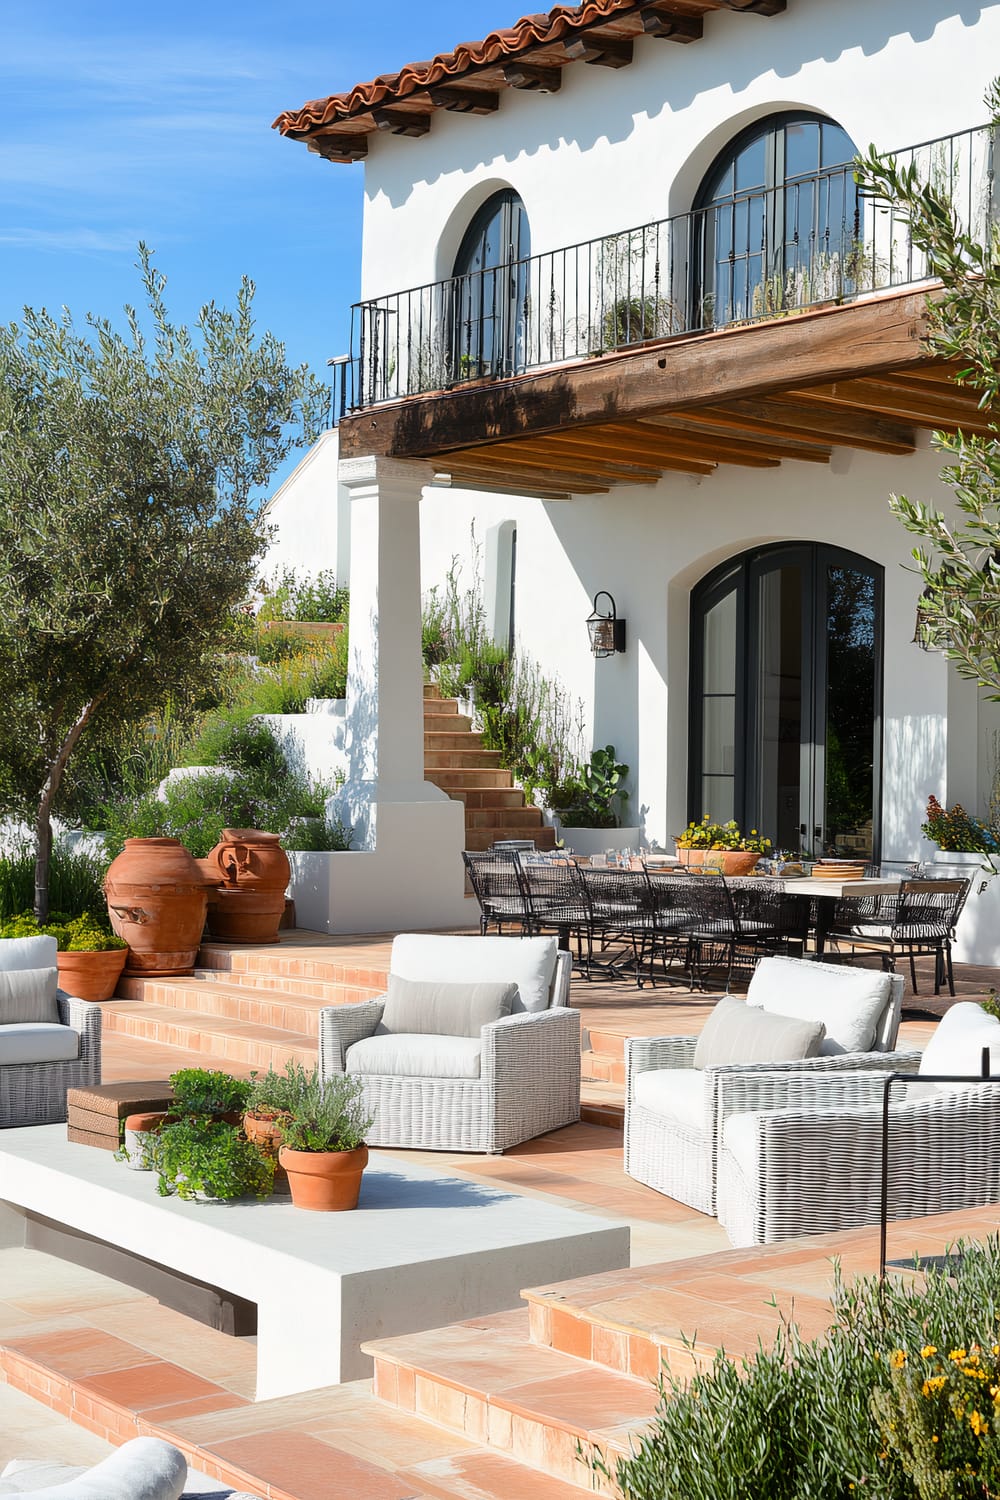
point(91, 975)
point(137, 1129)
point(265, 1134)
point(326, 1181)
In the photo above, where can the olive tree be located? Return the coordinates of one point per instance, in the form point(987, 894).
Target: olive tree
point(130, 465)
point(958, 557)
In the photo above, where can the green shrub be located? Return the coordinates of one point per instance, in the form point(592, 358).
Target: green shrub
point(208, 1091)
point(89, 933)
point(328, 1116)
point(316, 835)
point(75, 882)
point(847, 1414)
point(306, 599)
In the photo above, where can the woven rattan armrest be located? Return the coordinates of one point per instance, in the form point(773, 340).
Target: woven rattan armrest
point(509, 1042)
point(644, 1054)
point(84, 1017)
point(340, 1026)
point(753, 1090)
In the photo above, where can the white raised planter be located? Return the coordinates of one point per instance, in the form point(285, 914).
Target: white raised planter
point(588, 841)
point(978, 935)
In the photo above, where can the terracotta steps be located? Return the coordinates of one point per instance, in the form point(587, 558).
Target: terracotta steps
point(286, 1008)
point(455, 761)
point(238, 1045)
point(265, 1448)
point(488, 1381)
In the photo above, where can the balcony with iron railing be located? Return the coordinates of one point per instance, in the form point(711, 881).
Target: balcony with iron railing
point(757, 256)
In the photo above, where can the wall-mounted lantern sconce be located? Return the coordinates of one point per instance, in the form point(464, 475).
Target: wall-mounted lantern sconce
point(606, 631)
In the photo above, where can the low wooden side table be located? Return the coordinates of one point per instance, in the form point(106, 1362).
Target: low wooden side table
point(95, 1115)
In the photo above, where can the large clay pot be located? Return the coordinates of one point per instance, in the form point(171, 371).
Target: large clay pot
point(326, 1181)
point(91, 975)
point(156, 900)
point(729, 861)
point(738, 862)
point(265, 1133)
point(254, 873)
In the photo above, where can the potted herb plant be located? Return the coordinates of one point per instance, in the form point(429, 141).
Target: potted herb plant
point(268, 1106)
point(721, 846)
point(590, 806)
point(205, 1159)
point(90, 958)
point(323, 1141)
point(208, 1092)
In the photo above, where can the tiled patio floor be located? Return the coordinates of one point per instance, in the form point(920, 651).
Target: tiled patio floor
point(177, 1369)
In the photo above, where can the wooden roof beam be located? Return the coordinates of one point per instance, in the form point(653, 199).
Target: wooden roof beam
point(872, 394)
point(339, 148)
point(573, 474)
point(756, 7)
point(777, 448)
point(660, 19)
point(773, 415)
point(553, 456)
point(522, 75)
point(402, 121)
point(523, 481)
point(600, 51)
point(465, 101)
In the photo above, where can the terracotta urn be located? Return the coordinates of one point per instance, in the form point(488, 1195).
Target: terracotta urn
point(91, 975)
point(156, 900)
point(325, 1181)
point(264, 1131)
point(253, 872)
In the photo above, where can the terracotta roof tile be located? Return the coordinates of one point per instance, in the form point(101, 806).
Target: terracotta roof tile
point(498, 47)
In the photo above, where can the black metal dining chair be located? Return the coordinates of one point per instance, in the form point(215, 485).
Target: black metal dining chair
point(557, 901)
point(917, 920)
point(619, 914)
point(497, 883)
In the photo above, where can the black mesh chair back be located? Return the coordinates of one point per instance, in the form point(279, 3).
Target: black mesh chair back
point(930, 908)
point(712, 927)
point(769, 918)
point(556, 899)
point(619, 913)
point(495, 877)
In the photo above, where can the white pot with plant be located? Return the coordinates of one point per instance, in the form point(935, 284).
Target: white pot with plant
point(588, 808)
point(968, 849)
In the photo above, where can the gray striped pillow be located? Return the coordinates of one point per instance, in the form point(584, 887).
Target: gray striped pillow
point(739, 1033)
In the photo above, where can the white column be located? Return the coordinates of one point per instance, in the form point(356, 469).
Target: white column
point(405, 869)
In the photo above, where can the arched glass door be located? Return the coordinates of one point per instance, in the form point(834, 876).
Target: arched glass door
point(777, 221)
point(786, 683)
point(490, 291)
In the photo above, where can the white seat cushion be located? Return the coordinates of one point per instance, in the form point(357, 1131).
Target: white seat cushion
point(849, 1002)
point(37, 1042)
point(27, 953)
point(413, 1055)
point(957, 1042)
point(678, 1093)
point(530, 963)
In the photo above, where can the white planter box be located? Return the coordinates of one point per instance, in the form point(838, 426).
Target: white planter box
point(978, 935)
point(590, 841)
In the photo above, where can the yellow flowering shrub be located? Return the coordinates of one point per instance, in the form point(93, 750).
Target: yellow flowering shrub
point(940, 1415)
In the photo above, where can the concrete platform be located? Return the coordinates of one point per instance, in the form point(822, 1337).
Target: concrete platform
point(422, 1249)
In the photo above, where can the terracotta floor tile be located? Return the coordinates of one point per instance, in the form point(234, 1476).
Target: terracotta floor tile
point(486, 1476)
point(151, 1385)
point(79, 1351)
point(310, 1469)
point(586, 1399)
point(166, 1416)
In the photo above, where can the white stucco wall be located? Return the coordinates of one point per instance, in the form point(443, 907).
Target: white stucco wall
point(310, 514)
point(650, 545)
point(618, 148)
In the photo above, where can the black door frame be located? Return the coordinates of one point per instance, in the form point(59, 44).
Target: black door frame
point(742, 574)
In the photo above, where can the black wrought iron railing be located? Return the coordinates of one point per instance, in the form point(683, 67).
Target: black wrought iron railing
point(763, 254)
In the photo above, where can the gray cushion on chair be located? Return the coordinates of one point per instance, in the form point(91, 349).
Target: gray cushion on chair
point(28, 995)
point(417, 1055)
point(426, 1006)
point(738, 1033)
point(30, 1042)
point(27, 952)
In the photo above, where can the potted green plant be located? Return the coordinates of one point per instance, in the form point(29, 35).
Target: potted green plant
point(590, 804)
point(210, 1092)
point(268, 1104)
point(90, 958)
point(720, 846)
point(323, 1141)
point(207, 1159)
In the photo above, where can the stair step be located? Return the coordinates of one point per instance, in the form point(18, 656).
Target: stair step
point(477, 839)
point(439, 723)
point(238, 1044)
point(281, 1007)
point(292, 961)
point(489, 796)
point(484, 1380)
point(462, 760)
point(478, 780)
point(503, 817)
point(445, 739)
point(599, 1067)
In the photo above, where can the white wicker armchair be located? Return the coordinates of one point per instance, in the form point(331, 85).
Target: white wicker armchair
point(799, 1157)
point(671, 1140)
point(39, 1061)
point(527, 1065)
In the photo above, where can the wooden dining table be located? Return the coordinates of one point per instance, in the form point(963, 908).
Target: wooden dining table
point(826, 893)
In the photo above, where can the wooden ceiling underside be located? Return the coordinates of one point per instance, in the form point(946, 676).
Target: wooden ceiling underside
point(880, 413)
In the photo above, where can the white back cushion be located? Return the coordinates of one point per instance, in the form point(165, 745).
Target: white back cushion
point(957, 1042)
point(849, 1002)
point(530, 963)
point(28, 995)
point(27, 953)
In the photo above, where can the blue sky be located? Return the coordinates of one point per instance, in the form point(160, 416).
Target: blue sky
point(121, 122)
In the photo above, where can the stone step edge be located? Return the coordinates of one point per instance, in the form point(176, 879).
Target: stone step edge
point(556, 1323)
point(182, 1028)
point(205, 986)
point(255, 962)
point(577, 1441)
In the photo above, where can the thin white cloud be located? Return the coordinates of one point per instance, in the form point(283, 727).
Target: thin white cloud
point(80, 241)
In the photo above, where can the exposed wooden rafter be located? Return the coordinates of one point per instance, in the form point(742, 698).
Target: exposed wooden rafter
point(402, 121)
point(465, 101)
point(602, 51)
point(661, 19)
point(523, 75)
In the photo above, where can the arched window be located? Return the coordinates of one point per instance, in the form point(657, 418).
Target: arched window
point(777, 221)
point(786, 697)
point(490, 290)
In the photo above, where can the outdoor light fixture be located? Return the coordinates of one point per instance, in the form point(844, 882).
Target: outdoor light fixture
point(606, 631)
